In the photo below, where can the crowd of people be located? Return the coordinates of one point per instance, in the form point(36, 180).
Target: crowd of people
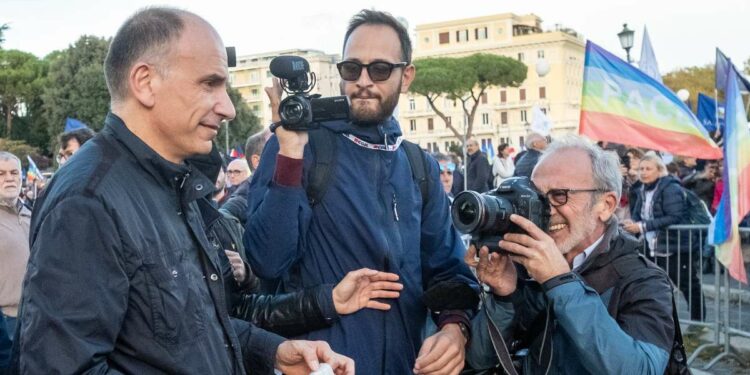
point(148, 253)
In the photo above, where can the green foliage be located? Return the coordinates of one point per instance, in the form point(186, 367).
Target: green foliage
point(244, 124)
point(21, 150)
point(21, 75)
point(75, 85)
point(464, 79)
point(695, 79)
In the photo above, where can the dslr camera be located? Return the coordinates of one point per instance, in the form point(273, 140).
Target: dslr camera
point(300, 110)
point(486, 217)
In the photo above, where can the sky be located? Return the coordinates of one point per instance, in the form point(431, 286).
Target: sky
point(683, 33)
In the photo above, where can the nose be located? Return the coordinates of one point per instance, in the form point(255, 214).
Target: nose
point(364, 79)
point(224, 106)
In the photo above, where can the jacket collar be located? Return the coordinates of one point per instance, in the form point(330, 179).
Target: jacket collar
point(378, 134)
point(190, 178)
point(16, 208)
point(614, 244)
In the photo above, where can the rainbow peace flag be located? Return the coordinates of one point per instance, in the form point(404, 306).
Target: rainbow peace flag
point(624, 105)
point(735, 200)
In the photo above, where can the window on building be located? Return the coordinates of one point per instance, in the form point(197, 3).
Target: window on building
point(412, 104)
point(540, 54)
point(480, 33)
point(413, 125)
point(503, 97)
point(255, 108)
point(484, 98)
point(520, 56)
point(504, 118)
point(430, 124)
point(254, 92)
point(462, 35)
point(426, 40)
point(447, 146)
point(520, 140)
point(503, 140)
point(444, 38)
point(522, 94)
point(542, 92)
point(447, 120)
point(544, 110)
point(523, 115)
point(485, 118)
point(435, 147)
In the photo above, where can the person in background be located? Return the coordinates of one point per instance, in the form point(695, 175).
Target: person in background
point(71, 141)
point(447, 169)
point(535, 145)
point(478, 169)
point(502, 165)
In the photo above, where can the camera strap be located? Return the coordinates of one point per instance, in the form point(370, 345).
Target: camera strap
point(498, 344)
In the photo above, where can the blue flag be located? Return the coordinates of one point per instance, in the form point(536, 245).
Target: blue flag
point(707, 112)
point(73, 124)
point(647, 63)
point(722, 72)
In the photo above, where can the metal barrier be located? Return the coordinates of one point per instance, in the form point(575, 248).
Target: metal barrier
point(684, 261)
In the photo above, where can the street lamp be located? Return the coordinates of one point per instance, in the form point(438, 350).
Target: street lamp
point(626, 39)
point(684, 95)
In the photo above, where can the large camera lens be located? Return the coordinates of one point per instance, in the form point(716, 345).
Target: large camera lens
point(473, 212)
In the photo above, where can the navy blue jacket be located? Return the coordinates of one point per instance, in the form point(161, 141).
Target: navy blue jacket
point(668, 208)
point(371, 216)
point(526, 163)
point(585, 337)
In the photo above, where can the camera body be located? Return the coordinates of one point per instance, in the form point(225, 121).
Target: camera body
point(486, 217)
point(301, 111)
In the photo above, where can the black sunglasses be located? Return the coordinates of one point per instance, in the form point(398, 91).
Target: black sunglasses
point(378, 71)
point(558, 197)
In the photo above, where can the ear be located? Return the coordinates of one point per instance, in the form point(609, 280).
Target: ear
point(255, 160)
point(410, 71)
point(142, 82)
point(606, 206)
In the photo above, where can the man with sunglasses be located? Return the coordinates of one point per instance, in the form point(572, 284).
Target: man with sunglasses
point(372, 215)
point(589, 304)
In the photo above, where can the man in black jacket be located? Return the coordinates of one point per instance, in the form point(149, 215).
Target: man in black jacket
point(122, 277)
point(478, 169)
point(535, 145)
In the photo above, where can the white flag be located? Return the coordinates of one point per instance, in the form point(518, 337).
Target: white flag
point(647, 63)
point(540, 123)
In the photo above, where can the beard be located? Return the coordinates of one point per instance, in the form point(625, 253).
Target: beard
point(364, 115)
point(578, 232)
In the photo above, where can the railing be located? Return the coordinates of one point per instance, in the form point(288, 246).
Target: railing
point(685, 265)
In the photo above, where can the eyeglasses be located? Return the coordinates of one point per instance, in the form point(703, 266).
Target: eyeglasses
point(61, 158)
point(447, 168)
point(559, 197)
point(234, 171)
point(377, 71)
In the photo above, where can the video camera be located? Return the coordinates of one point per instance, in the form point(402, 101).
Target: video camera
point(486, 217)
point(300, 110)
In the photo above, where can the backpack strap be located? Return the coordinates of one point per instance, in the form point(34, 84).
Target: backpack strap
point(418, 164)
point(324, 147)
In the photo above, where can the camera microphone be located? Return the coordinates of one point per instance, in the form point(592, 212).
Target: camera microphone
point(289, 67)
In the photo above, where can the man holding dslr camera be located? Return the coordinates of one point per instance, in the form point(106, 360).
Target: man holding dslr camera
point(372, 215)
point(610, 315)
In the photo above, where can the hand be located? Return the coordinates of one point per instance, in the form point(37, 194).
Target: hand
point(238, 266)
point(631, 227)
point(303, 357)
point(359, 288)
point(535, 250)
point(274, 96)
point(442, 353)
point(493, 269)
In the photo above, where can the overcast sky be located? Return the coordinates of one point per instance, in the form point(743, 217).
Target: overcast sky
point(683, 33)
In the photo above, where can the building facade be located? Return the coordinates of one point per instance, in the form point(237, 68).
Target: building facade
point(554, 59)
point(252, 75)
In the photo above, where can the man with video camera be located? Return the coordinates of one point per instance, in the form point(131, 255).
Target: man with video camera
point(584, 301)
point(373, 214)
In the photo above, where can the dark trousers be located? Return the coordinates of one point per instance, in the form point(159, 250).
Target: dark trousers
point(684, 273)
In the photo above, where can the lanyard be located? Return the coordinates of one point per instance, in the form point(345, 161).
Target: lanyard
point(365, 144)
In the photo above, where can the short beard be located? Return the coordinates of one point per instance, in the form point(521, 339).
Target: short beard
point(372, 118)
point(585, 227)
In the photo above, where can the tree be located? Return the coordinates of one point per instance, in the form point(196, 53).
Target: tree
point(695, 79)
point(75, 85)
point(3, 29)
point(464, 79)
point(20, 73)
point(245, 123)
